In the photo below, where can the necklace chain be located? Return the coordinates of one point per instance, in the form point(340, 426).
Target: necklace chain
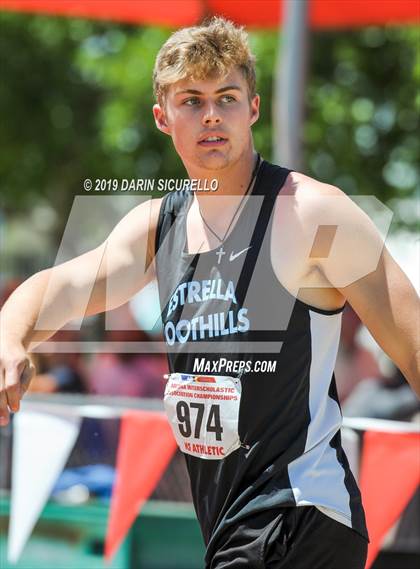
point(254, 175)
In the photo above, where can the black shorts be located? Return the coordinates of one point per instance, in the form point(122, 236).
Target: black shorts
point(292, 538)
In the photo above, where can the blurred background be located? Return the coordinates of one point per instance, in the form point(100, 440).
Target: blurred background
point(75, 100)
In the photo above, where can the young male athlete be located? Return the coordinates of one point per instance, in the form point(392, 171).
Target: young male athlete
point(252, 287)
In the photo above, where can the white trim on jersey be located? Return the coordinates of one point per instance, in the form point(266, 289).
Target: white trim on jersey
point(317, 477)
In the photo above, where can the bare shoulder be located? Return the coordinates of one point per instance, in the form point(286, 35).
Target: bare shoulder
point(314, 205)
point(138, 221)
point(303, 183)
point(322, 240)
point(340, 238)
point(309, 193)
point(304, 203)
point(134, 235)
point(294, 229)
point(144, 215)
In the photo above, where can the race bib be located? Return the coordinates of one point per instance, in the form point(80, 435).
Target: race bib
point(203, 412)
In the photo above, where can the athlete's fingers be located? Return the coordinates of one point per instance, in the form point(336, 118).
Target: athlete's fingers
point(12, 389)
point(4, 410)
point(13, 371)
point(26, 377)
point(17, 376)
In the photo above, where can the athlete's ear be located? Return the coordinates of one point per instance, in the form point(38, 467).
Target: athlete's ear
point(255, 109)
point(160, 118)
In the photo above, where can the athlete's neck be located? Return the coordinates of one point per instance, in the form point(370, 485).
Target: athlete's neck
point(233, 184)
point(233, 180)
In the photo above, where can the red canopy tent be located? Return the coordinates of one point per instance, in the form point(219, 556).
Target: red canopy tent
point(261, 13)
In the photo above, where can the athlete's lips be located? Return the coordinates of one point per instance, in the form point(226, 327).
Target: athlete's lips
point(212, 139)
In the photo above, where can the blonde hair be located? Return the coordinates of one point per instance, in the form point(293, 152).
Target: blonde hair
point(210, 50)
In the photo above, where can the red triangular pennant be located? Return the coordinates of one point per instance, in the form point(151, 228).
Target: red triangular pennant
point(390, 474)
point(146, 445)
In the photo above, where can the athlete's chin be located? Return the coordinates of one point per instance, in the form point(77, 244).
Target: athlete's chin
point(214, 160)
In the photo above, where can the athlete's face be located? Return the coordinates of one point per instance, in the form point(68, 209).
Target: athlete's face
point(217, 108)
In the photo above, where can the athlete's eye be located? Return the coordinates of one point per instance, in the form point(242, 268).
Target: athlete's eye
point(191, 102)
point(227, 98)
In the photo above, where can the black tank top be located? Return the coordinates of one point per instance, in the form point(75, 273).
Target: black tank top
point(227, 305)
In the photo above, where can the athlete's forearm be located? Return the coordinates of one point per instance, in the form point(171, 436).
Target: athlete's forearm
point(21, 312)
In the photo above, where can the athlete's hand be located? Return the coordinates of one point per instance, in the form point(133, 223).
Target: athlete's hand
point(16, 372)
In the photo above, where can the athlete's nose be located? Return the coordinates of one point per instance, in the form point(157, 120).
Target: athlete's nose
point(211, 115)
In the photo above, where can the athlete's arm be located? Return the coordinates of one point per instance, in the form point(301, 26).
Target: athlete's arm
point(361, 268)
point(97, 281)
point(388, 305)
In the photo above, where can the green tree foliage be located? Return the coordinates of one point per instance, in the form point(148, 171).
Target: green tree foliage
point(76, 100)
point(363, 107)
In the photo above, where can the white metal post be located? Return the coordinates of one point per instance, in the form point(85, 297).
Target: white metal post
point(289, 85)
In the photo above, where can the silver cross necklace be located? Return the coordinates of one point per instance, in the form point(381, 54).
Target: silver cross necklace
point(220, 252)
